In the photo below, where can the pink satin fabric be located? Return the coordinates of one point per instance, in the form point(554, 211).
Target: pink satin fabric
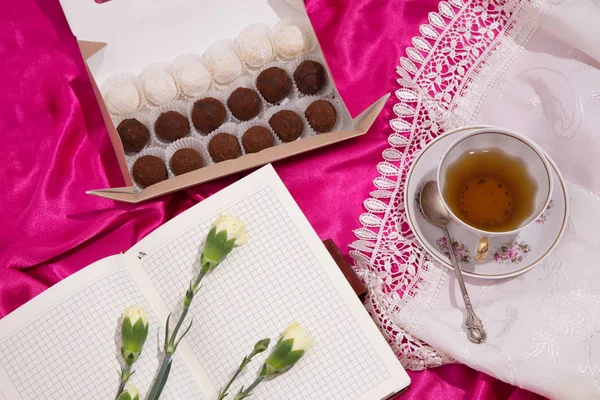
point(53, 147)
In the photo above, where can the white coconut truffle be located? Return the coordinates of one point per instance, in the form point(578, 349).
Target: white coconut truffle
point(122, 99)
point(289, 41)
point(255, 50)
point(225, 66)
point(160, 87)
point(193, 78)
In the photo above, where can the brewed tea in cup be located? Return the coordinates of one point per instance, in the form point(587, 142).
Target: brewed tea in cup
point(494, 182)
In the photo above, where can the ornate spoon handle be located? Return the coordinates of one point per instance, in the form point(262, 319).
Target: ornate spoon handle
point(474, 325)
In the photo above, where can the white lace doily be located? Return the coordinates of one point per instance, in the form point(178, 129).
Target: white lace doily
point(393, 265)
point(532, 66)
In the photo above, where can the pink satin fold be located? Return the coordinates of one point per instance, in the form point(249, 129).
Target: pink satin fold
point(53, 147)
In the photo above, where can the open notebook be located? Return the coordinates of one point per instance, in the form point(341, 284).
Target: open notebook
point(65, 342)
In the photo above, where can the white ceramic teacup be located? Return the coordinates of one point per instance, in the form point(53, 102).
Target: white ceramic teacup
point(515, 145)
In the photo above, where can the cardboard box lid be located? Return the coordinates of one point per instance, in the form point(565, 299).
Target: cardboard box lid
point(140, 32)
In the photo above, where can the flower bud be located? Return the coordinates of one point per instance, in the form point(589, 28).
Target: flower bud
point(226, 233)
point(235, 229)
point(130, 393)
point(134, 331)
point(261, 346)
point(292, 345)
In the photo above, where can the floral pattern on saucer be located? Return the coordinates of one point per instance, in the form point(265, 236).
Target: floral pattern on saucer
point(512, 252)
point(544, 217)
point(460, 250)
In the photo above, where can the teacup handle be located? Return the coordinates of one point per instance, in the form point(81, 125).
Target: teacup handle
point(482, 249)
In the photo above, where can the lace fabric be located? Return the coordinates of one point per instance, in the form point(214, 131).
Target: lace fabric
point(532, 66)
point(395, 267)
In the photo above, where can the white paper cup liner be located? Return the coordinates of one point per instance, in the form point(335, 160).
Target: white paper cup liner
point(279, 45)
point(145, 119)
point(258, 122)
point(223, 62)
point(181, 106)
point(122, 79)
point(216, 94)
point(305, 102)
point(294, 94)
point(248, 82)
point(250, 42)
point(186, 143)
point(189, 60)
point(328, 87)
point(306, 132)
point(168, 93)
point(152, 151)
point(231, 128)
point(346, 120)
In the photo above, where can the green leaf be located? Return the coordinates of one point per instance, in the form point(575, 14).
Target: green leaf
point(217, 247)
point(167, 331)
point(125, 331)
point(139, 334)
point(220, 239)
point(211, 235)
point(124, 396)
point(163, 381)
point(282, 357)
point(228, 246)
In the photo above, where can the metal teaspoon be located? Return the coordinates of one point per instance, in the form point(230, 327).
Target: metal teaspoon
point(435, 211)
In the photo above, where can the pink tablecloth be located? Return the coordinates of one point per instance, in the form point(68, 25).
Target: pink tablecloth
point(53, 147)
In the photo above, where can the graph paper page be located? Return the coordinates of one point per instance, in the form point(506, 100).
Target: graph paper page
point(65, 342)
point(283, 274)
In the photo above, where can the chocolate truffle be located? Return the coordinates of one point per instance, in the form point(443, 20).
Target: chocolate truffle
point(185, 160)
point(274, 84)
point(223, 146)
point(148, 170)
point(244, 104)
point(256, 139)
point(134, 135)
point(310, 77)
point(321, 115)
point(287, 125)
point(171, 126)
point(208, 114)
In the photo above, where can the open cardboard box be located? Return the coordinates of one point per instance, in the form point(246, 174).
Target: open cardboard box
point(127, 35)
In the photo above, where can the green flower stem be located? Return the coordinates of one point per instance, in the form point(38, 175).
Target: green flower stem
point(171, 342)
point(125, 375)
point(161, 378)
point(178, 326)
point(247, 392)
point(259, 347)
point(187, 301)
point(243, 365)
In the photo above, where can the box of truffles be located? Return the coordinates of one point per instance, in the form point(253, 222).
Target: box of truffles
point(194, 90)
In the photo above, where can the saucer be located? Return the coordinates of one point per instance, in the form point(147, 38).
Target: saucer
point(508, 255)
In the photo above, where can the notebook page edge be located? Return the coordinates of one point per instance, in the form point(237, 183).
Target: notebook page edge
point(184, 350)
point(57, 293)
point(399, 379)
